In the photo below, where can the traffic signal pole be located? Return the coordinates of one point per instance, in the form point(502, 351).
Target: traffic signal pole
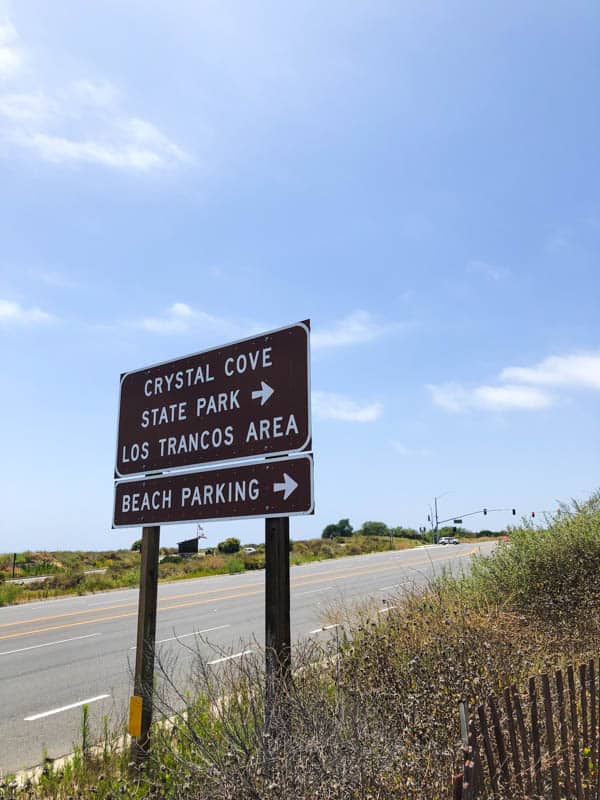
point(459, 517)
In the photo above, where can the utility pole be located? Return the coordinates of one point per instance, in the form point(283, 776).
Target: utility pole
point(436, 521)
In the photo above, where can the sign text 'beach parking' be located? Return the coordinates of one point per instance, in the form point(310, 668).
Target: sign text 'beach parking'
point(277, 487)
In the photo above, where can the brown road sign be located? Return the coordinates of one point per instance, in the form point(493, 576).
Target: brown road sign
point(244, 399)
point(273, 488)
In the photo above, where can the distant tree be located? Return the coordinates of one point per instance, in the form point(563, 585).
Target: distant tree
point(341, 528)
point(231, 545)
point(406, 533)
point(375, 529)
point(455, 530)
point(137, 545)
point(329, 532)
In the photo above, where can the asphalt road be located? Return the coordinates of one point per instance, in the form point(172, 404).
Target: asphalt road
point(57, 654)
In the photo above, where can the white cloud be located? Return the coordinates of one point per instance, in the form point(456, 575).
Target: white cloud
point(511, 397)
point(125, 154)
point(358, 327)
point(575, 370)
point(455, 397)
point(130, 144)
point(15, 314)
point(523, 387)
point(489, 270)
point(182, 318)
point(11, 54)
point(329, 406)
point(82, 123)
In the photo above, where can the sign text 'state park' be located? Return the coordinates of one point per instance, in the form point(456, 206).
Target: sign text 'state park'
point(249, 398)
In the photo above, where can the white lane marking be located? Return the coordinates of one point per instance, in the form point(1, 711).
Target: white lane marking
point(324, 628)
point(48, 644)
point(385, 610)
point(185, 635)
point(228, 658)
point(33, 717)
point(313, 591)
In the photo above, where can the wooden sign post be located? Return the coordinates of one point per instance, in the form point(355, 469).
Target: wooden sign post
point(140, 717)
point(278, 640)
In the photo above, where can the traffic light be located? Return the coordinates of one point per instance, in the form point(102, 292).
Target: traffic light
point(485, 511)
point(533, 513)
point(514, 511)
point(453, 530)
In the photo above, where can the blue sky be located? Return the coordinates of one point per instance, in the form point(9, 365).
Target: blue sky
point(418, 179)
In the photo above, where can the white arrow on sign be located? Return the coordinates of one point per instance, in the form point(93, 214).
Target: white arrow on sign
point(263, 393)
point(288, 486)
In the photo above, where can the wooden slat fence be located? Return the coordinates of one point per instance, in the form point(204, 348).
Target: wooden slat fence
point(540, 743)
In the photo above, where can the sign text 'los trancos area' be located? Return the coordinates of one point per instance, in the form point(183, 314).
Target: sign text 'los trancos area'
point(245, 399)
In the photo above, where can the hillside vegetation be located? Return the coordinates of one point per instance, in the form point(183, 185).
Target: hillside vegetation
point(67, 570)
point(373, 714)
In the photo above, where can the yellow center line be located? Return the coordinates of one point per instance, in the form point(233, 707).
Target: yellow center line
point(100, 609)
point(122, 616)
point(306, 581)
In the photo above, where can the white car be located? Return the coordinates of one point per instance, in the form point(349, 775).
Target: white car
point(249, 549)
point(448, 540)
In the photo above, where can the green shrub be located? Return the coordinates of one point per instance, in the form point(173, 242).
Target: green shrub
point(374, 529)
point(406, 533)
point(551, 571)
point(167, 570)
point(235, 565)
point(231, 545)
point(342, 528)
point(171, 559)
point(330, 531)
point(69, 580)
point(254, 561)
point(9, 593)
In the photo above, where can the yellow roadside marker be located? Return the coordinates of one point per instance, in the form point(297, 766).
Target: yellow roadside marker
point(135, 716)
